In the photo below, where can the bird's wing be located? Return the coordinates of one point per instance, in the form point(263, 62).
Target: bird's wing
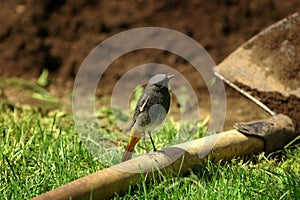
point(140, 107)
point(143, 105)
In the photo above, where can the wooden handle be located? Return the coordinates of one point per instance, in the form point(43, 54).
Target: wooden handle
point(178, 158)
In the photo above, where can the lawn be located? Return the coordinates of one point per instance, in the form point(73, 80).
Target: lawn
point(40, 152)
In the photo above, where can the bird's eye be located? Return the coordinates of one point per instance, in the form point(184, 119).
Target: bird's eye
point(159, 85)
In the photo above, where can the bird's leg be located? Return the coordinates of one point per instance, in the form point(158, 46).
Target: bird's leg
point(152, 141)
point(144, 139)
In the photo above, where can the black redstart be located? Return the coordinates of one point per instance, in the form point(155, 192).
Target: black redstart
point(150, 112)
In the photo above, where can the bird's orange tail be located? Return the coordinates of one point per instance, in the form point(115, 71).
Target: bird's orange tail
point(131, 144)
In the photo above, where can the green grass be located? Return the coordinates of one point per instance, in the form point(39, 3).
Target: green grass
point(42, 152)
point(241, 178)
point(39, 153)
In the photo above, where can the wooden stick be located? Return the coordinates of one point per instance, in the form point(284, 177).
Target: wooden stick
point(179, 158)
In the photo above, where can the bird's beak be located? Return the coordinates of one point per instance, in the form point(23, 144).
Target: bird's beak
point(169, 77)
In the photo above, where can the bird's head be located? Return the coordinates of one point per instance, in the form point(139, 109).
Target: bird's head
point(159, 81)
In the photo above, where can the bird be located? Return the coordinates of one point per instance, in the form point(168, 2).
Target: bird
point(150, 112)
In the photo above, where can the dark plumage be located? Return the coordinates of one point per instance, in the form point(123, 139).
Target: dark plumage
point(150, 112)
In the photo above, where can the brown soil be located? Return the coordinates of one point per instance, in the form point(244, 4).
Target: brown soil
point(58, 35)
point(281, 104)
